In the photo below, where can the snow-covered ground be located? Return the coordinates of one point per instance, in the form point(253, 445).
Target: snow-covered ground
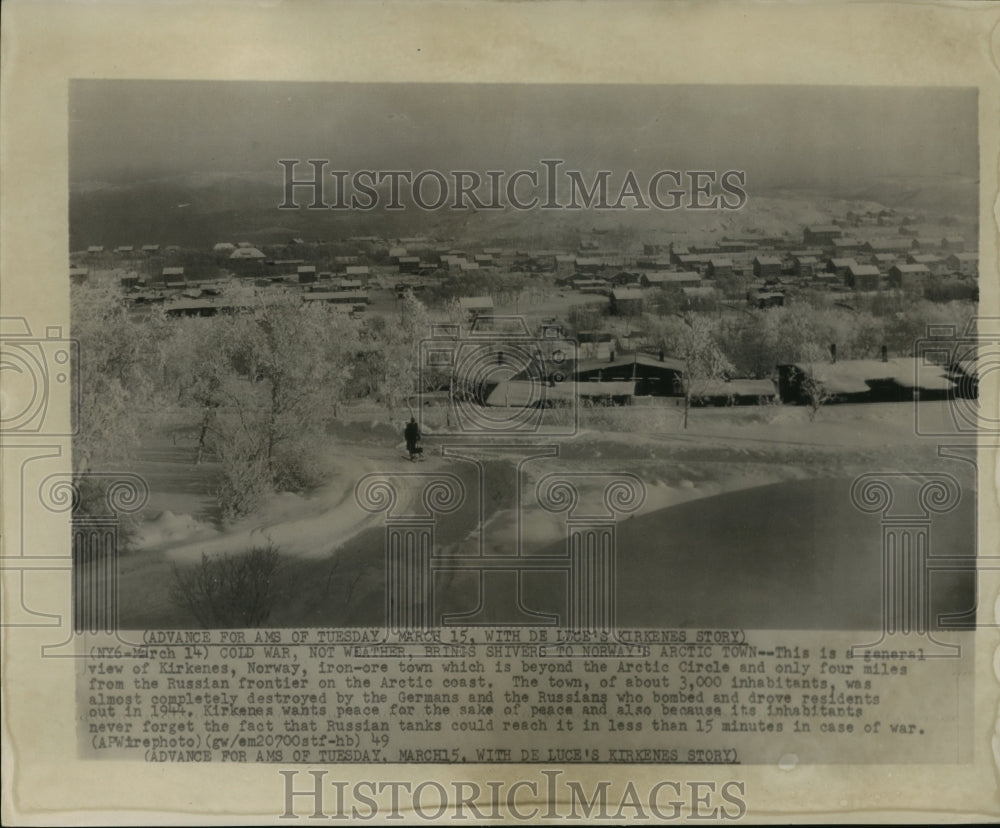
point(724, 450)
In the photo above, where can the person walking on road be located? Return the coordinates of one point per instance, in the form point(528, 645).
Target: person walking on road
point(412, 435)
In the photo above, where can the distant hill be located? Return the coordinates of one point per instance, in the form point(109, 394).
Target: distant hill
point(198, 211)
point(941, 194)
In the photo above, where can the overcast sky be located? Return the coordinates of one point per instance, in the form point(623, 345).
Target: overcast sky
point(120, 130)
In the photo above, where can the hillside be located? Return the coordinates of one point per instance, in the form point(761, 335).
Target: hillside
point(198, 211)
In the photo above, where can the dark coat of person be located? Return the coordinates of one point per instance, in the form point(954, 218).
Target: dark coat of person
point(412, 435)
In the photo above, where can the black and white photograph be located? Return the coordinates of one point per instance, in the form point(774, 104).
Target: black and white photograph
point(282, 292)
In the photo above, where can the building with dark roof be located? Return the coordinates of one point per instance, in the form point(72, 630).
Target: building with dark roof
point(626, 301)
point(805, 266)
point(908, 275)
point(964, 263)
point(867, 380)
point(657, 376)
point(897, 245)
point(821, 234)
point(840, 266)
point(767, 267)
point(678, 278)
point(862, 277)
point(719, 266)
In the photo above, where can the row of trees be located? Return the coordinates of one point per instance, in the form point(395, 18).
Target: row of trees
point(267, 382)
point(754, 340)
point(115, 369)
point(505, 288)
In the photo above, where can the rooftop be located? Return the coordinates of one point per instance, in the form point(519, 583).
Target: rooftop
point(673, 276)
point(246, 253)
point(629, 360)
point(853, 376)
point(525, 393)
point(333, 295)
point(736, 387)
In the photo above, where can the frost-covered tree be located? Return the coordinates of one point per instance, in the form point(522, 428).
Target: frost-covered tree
point(266, 380)
point(114, 359)
point(694, 339)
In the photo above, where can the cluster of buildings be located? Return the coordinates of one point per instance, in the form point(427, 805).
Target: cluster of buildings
point(197, 288)
point(647, 378)
point(859, 252)
point(856, 253)
point(769, 270)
